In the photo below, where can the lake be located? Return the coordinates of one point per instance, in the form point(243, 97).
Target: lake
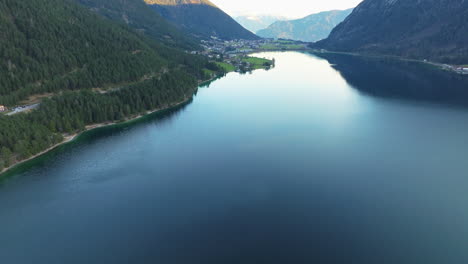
point(323, 159)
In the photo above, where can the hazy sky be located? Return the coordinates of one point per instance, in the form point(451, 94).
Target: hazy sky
point(288, 8)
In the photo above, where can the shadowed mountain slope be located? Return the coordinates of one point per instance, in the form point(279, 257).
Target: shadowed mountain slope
point(423, 29)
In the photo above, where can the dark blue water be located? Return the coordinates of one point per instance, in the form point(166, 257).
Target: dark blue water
point(319, 160)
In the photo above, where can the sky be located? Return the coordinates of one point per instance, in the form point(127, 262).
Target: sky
point(287, 8)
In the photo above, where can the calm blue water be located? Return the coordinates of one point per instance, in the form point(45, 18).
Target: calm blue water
point(319, 160)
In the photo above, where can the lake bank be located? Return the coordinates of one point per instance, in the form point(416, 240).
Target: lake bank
point(68, 138)
point(441, 66)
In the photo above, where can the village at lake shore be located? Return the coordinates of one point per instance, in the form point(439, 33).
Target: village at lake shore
point(234, 55)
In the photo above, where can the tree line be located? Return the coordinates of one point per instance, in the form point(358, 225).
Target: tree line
point(24, 135)
point(55, 45)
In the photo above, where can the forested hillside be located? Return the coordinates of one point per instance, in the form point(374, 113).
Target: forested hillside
point(24, 135)
point(98, 70)
point(201, 18)
point(56, 45)
point(138, 15)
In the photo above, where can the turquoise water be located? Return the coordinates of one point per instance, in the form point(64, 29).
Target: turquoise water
point(330, 159)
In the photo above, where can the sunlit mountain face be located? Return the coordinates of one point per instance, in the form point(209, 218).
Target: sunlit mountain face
point(200, 18)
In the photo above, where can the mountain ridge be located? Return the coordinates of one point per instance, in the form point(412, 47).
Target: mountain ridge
point(201, 19)
point(311, 28)
point(254, 23)
point(180, 2)
point(139, 16)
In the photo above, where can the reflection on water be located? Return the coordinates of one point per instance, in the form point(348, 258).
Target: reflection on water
point(305, 163)
point(90, 137)
point(393, 78)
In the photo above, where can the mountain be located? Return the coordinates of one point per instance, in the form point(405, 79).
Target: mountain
point(256, 23)
point(201, 18)
point(311, 28)
point(422, 29)
point(138, 15)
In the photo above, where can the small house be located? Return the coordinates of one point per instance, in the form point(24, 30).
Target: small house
point(2, 108)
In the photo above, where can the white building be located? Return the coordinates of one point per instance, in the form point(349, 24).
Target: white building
point(2, 108)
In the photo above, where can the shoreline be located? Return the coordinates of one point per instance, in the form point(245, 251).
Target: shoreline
point(203, 83)
point(66, 140)
point(70, 138)
point(438, 65)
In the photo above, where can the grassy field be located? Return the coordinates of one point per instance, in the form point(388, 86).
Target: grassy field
point(254, 63)
point(208, 72)
point(268, 47)
point(282, 46)
point(294, 46)
point(226, 66)
point(257, 63)
point(282, 41)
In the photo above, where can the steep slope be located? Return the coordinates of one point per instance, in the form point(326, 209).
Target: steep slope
point(256, 23)
point(201, 18)
point(311, 28)
point(138, 15)
point(56, 44)
point(429, 29)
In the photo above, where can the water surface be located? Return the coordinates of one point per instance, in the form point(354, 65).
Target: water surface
point(319, 160)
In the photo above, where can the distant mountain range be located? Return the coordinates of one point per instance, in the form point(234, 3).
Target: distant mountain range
point(311, 28)
point(423, 29)
point(200, 18)
point(256, 23)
